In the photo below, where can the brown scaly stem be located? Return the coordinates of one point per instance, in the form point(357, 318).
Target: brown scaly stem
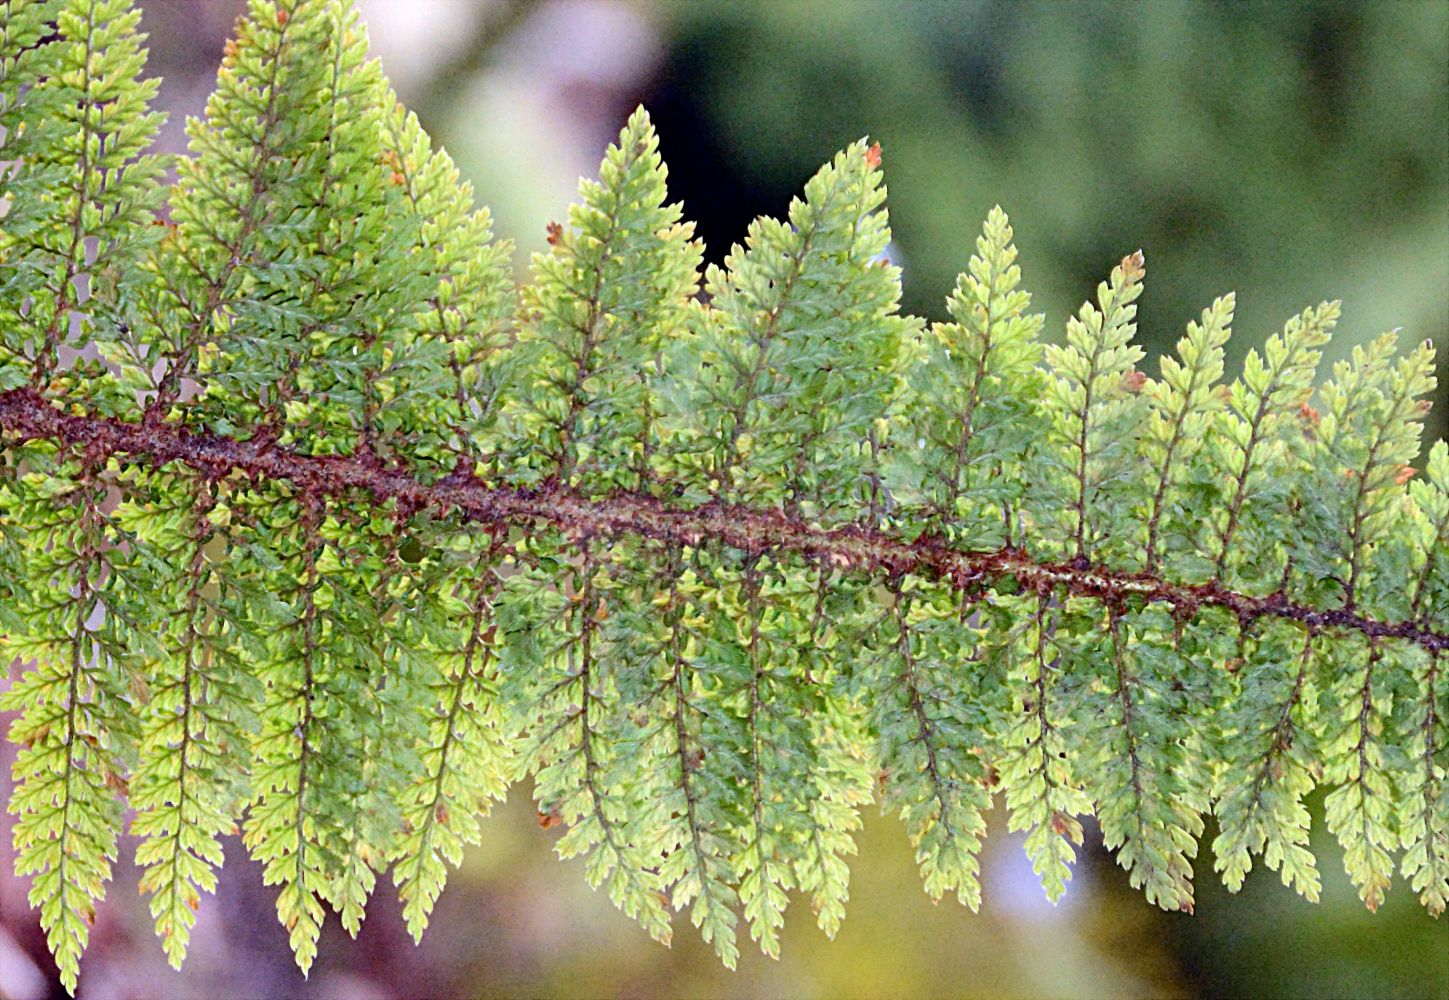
point(28, 416)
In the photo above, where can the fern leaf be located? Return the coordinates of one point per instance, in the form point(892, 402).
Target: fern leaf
point(927, 707)
point(1370, 431)
point(446, 379)
point(1093, 406)
point(211, 284)
point(34, 135)
point(1043, 795)
point(336, 364)
point(76, 727)
point(193, 763)
point(1269, 759)
point(86, 186)
point(663, 640)
point(287, 828)
point(980, 419)
point(464, 762)
point(228, 257)
point(616, 280)
point(79, 122)
point(1430, 587)
point(1273, 386)
point(1424, 806)
point(1182, 405)
point(1134, 767)
point(800, 306)
point(927, 711)
point(345, 535)
point(467, 315)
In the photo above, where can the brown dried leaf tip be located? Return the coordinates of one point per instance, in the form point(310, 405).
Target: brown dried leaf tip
point(1066, 825)
point(872, 156)
point(992, 777)
point(1405, 473)
point(1308, 413)
point(1134, 380)
point(1134, 267)
point(549, 820)
point(554, 232)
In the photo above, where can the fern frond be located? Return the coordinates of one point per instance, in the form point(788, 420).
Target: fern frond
point(79, 203)
point(616, 282)
point(1148, 802)
point(1043, 795)
point(464, 761)
point(930, 704)
point(315, 364)
point(1270, 754)
point(790, 373)
point(345, 535)
point(467, 315)
point(931, 709)
point(1370, 431)
point(980, 421)
point(226, 266)
point(32, 135)
point(1250, 444)
point(1094, 406)
point(1183, 404)
point(76, 726)
point(84, 187)
point(1424, 805)
point(193, 764)
point(662, 637)
point(301, 756)
point(445, 383)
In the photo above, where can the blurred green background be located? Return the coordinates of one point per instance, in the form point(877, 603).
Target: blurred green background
point(1289, 151)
